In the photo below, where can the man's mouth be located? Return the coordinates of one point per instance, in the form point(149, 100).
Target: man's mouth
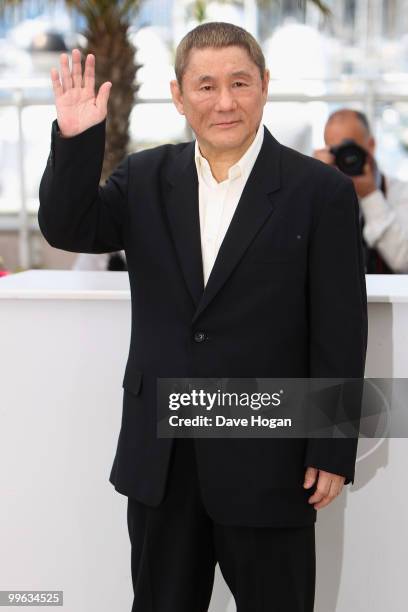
point(226, 123)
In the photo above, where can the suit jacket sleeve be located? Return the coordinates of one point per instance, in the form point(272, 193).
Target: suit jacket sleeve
point(76, 213)
point(337, 315)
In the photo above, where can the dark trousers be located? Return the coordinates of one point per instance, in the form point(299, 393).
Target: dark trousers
point(175, 547)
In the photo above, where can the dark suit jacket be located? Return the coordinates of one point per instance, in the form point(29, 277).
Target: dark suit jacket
point(286, 298)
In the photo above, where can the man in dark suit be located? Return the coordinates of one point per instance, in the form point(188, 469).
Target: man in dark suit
point(245, 260)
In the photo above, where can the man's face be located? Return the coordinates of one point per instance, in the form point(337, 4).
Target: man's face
point(222, 97)
point(337, 130)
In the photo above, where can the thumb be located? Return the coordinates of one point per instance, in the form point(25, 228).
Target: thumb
point(102, 98)
point(310, 477)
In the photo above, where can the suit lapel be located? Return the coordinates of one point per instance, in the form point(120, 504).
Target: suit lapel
point(253, 209)
point(184, 220)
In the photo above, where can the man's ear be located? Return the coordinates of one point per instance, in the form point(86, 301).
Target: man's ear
point(265, 83)
point(177, 96)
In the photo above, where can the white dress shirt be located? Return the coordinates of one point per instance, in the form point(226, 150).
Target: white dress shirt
point(386, 223)
point(218, 201)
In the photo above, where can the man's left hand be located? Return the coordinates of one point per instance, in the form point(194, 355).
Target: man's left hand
point(329, 486)
point(365, 183)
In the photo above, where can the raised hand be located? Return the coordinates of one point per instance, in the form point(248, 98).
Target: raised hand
point(77, 107)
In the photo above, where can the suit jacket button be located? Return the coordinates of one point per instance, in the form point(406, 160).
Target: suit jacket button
point(200, 336)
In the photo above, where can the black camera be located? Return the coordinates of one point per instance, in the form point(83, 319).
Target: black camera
point(350, 158)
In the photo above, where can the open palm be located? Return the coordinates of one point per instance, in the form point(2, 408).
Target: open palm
point(77, 107)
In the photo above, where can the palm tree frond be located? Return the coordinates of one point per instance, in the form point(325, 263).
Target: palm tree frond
point(321, 6)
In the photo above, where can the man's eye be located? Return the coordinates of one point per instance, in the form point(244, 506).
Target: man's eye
point(239, 83)
point(205, 87)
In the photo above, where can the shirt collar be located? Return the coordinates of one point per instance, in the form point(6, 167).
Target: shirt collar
point(242, 168)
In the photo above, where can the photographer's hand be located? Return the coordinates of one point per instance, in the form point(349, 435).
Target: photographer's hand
point(324, 155)
point(366, 183)
point(77, 107)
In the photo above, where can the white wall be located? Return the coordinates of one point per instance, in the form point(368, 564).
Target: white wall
point(63, 526)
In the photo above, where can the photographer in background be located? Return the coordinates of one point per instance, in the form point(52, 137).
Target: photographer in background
point(383, 199)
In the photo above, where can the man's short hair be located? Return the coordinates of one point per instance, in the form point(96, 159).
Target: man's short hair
point(217, 34)
point(343, 113)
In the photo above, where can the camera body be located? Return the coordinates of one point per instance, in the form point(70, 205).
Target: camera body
point(350, 158)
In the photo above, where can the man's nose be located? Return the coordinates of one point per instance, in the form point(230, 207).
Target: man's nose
point(225, 100)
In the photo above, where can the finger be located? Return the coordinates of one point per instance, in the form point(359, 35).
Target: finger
point(322, 489)
point(56, 83)
point(336, 486)
point(321, 154)
point(327, 499)
point(65, 72)
point(89, 73)
point(370, 159)
point(324, 502)
point(76, 68)
point(317, 496)
point(310, 477)
point(101, 101)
